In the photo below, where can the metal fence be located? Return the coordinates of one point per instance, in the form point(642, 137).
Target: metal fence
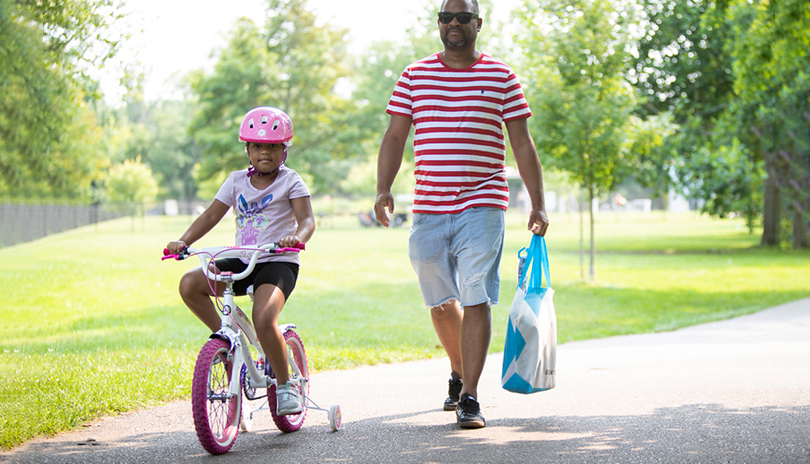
point(22, 223)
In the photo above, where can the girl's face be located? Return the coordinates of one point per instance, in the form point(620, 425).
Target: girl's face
point(265, 157)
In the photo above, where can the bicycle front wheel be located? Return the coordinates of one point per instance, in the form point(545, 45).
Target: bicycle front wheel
point(216, 411)
point(299, 369)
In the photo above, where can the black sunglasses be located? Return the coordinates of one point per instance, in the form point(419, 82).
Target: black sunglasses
point(463, 18)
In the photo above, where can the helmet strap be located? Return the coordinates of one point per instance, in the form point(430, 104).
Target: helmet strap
point(253, 171)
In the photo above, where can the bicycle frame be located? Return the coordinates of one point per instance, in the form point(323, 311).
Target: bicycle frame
point(231, 344)
point(236, 327)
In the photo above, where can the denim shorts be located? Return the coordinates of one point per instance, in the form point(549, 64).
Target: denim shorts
point(458, 256)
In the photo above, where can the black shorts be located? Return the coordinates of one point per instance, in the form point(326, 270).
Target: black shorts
point(280, 274)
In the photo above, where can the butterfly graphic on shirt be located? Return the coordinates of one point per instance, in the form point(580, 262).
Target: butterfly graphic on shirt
point(250, 220)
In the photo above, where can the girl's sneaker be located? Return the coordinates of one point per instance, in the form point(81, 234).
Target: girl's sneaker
point(288, 400)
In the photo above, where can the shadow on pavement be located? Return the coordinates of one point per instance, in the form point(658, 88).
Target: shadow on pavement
point(689, 433)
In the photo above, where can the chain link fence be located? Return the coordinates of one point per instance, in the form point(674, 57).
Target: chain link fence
point(22, 223)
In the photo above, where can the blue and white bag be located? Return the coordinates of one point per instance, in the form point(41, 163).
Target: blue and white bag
point(530, 353)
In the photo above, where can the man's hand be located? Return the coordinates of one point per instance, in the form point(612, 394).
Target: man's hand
point(384, 201)
point(538, 222)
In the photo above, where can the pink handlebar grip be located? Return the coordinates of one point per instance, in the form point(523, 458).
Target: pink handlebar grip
point(286, 250)
point(168, 255)
point(293, 249)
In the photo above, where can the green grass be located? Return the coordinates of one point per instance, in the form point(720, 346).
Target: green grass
point(93, 324)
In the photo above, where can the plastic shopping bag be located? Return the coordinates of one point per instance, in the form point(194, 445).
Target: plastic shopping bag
point(530, 353)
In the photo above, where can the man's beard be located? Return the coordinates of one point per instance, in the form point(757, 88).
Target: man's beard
point(460, 43)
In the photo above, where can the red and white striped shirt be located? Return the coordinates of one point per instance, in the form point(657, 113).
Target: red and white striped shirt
point(458, 115)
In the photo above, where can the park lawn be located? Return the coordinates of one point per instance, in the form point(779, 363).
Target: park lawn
point(94, 325)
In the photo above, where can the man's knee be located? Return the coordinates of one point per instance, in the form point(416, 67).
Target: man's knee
point(483, 309)
point(447, 309)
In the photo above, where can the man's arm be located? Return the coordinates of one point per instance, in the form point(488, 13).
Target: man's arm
point(388, 162)
point(530, 171)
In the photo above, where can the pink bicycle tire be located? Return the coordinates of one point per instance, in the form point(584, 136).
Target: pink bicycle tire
point(216, 417)
point(296, 354)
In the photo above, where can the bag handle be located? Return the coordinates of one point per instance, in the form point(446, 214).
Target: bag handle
point(538, 254)
point(523, 263)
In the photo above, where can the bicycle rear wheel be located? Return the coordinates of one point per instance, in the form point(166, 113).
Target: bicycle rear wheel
point(216, 412)
point(299, 368)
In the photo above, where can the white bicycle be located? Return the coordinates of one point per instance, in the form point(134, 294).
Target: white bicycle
point(226, 370)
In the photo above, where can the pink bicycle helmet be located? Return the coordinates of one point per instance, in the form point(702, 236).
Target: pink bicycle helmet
point(266, 124)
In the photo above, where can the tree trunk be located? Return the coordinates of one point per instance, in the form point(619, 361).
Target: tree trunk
point(582, 238)
point(771, 211)
point(592, 270)
point(799, 231)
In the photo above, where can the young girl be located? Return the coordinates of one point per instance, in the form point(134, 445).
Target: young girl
point(271, 203)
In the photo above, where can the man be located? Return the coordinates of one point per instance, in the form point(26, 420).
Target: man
point(457, 101)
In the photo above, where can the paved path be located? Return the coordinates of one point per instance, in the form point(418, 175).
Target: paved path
point(735, 391)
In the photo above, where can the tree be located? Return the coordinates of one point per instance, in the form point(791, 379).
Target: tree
point(773, 83)
point(158, 134)
point(376, 75)
point(684, 67)
point(734, 74)
point(723, 174)
point(575, 62)
point(244, 77)
point(652, 160)
point(130, 187)
point(50, 142)
point(173, 155)
point(683, 64)
point(292, 63)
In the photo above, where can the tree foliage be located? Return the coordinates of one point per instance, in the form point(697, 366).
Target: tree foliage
point(717, 108)
point(576, 63)
point(376, 75)
point(50, 142)
point(773, 87)
point(733, 74)
point(158, 134)
point(684, 68)
point(130, 186)
point(683, 64)
point(291, 63)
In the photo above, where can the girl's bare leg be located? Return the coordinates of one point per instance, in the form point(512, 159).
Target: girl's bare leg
point(268, 301)
point(197, 295)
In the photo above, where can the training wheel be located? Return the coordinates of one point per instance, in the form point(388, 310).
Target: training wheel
point(334, 417)
point(246, 419)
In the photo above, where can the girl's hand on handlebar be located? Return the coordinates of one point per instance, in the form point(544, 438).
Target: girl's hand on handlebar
point(289, 242)
point(176, 247)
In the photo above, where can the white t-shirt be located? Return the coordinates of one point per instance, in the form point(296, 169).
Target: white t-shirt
point(264, 216)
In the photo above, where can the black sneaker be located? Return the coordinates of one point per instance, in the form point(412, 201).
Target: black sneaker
point(468, 413)
point(452, 392)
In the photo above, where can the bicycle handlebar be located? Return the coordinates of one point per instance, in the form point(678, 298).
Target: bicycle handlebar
point(251, 253)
